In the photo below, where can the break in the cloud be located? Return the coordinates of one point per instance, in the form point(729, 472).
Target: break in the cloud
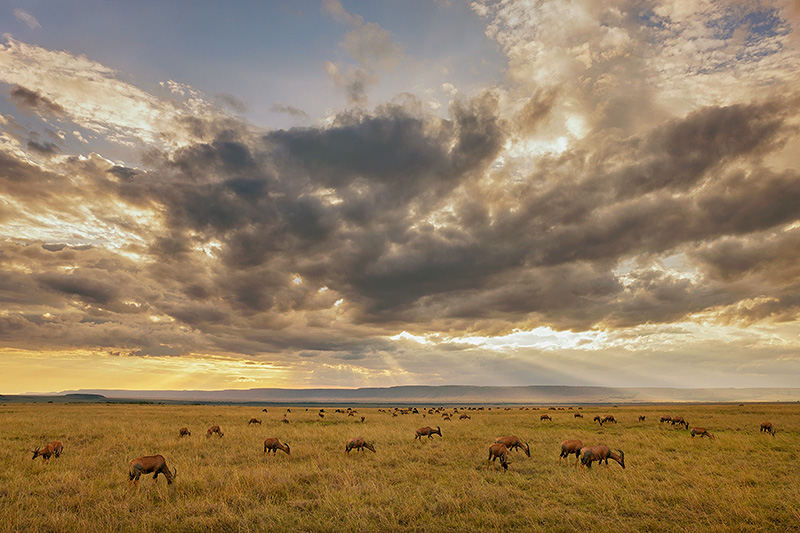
point(628, 198)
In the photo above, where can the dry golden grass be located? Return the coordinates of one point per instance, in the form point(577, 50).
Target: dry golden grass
point(741, 481)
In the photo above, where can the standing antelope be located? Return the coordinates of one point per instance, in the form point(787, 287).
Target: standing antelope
point(151, 463)
point(701, 432)
point(45, 452)
point(569, 447)
point(642, 418)
point(665, 418)
point(545, 417)
point(429, 431)
point(514, 442)
point(58, 448)
point(184, 432)
point(578, 415)
point(679, 421)
point(273, 445)
point(254, 421)
point(359, 444)
point(600, 453)
point(767, 427)
point(498, 450)
point(214, 429)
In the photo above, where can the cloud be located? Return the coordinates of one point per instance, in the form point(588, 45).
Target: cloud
point(587, 194)
point(34, 101)
point(370, 46)
point(94, 99)
point(232, 102)
point(43, 148)
point(291, 110)
point(23, 16)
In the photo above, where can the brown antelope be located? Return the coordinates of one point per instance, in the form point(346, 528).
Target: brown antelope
point(273, 445)
point(600, 453)
point(498, 450)
point(464, 416)
point(58, 448)
point(767, 427)
point(363, 418)
point(359, 444)
point(665, 418)
point(45, 452)
point(514, 442)
point(545, 417)
point(154, 464)
point(642, 418)
point(569, 447)
point(214, 429)
point(679, 421)
point(604, 419)
point(701, 432)
point(429, 431)
point(184, 432)
point(577, 415)
point(254, 421)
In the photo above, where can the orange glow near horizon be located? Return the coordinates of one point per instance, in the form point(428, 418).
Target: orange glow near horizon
point(28, 371)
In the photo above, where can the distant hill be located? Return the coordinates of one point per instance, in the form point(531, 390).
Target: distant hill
point(447, 394)
point(52, 398)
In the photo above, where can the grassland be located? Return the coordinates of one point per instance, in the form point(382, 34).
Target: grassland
point(741, 481)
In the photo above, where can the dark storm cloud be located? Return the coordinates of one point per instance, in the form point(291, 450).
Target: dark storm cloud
point(550, 255)
point(122, 173)
point(87, 288)
point(678, 155)
point(43, 148)
point(323, 240)
point(762, 253)
point(30, 100)
point(20, 179)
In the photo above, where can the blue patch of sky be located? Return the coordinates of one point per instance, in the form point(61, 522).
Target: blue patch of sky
point(650, 19)
point(760, 24)
point(262, 53)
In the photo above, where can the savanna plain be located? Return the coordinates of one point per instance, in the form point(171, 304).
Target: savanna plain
point(742, 480)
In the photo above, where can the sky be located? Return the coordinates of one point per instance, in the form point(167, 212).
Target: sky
point(206, 195)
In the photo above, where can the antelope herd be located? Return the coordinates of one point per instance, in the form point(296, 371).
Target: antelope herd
point(500, 449)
